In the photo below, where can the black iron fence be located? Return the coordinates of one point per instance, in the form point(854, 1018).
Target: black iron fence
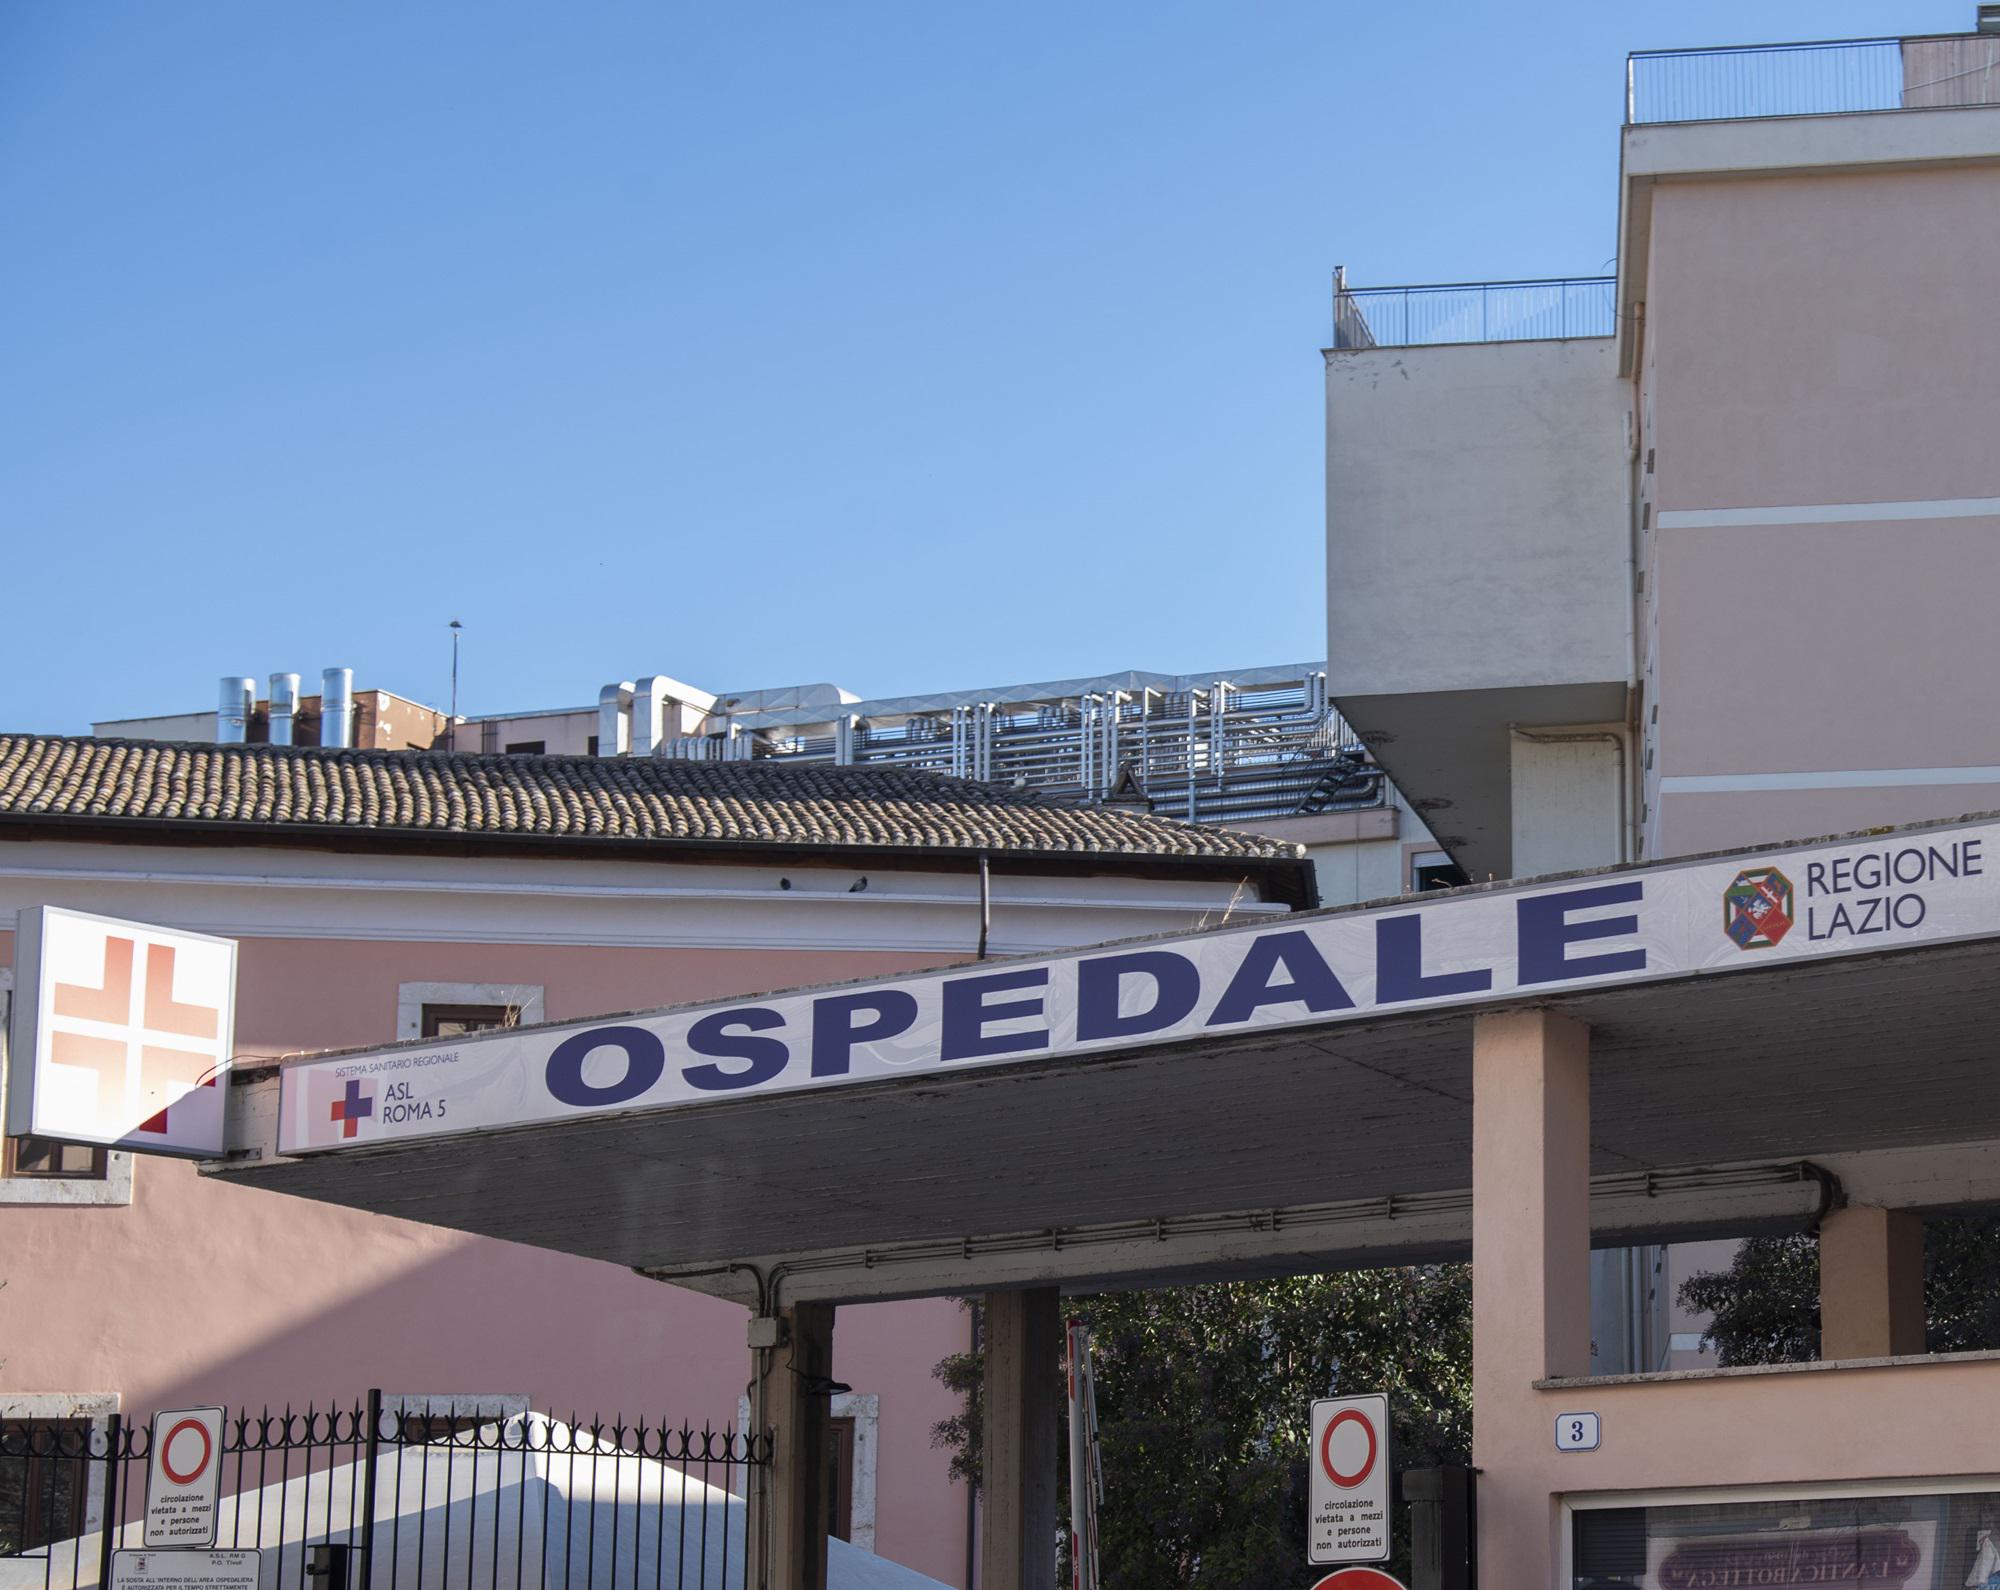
point(446, 1495)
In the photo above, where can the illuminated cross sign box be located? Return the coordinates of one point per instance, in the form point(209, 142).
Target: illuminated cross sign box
point(121, 1035)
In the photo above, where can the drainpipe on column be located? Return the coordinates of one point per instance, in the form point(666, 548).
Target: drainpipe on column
point(985, 905)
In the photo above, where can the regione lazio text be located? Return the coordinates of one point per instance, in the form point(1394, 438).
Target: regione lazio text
point(1482, 946)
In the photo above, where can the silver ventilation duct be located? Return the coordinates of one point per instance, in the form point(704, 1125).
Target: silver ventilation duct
point(650, 704)
point(234, 707)
point(614, 718)
point(336, 706)
point(284, 707)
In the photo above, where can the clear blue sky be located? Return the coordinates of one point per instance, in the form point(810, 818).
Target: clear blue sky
point(912, 346)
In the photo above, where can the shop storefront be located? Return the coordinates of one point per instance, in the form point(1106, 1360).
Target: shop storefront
point(1945, 1536)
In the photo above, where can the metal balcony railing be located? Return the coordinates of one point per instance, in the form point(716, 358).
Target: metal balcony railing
point(1739, 82)
point(1407, 317)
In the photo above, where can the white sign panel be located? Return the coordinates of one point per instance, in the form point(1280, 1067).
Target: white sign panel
point(1484, 947)
point(122, 1033)
point(184, 1477)
point(1577, 1432)
point(184, 1570)
point(1347, 1503)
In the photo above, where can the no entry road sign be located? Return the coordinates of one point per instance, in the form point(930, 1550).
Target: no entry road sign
point(184, 1477)
point(1348, 1501)
point(1360, 1579)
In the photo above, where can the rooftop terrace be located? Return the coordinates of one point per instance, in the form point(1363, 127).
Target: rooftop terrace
point(1945, 71)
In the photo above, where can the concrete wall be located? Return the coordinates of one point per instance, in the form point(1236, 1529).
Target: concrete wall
point(1357, 856)
point(1568, 785)
point(1826, 501)
point(1476, 517)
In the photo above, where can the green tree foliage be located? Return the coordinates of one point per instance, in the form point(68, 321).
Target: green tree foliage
point(1766, 1304)
point(1204, 1397)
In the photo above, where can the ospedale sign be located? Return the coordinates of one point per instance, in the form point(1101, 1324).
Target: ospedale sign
point(1641, 925)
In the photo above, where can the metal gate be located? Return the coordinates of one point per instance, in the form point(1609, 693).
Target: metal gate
point(439, 1495)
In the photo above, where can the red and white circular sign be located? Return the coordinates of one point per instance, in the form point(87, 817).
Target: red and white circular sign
point(185, 1454)
point(1349, 1447)
point(1360, 1579)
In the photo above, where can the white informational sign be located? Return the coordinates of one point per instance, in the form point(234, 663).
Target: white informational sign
point(184, 1570)
point(1347, 1502)
point(184, 1477)
point(122, 1033)
point(1577, 1432)
point(1675, 920)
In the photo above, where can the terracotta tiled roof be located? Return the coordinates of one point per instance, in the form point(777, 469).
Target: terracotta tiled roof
point(307, 790)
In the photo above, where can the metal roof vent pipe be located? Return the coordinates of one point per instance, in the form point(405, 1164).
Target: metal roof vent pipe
point(284, 707)
point(336, 706)
point(649, 715)
point(234, 707)
point(614, 719)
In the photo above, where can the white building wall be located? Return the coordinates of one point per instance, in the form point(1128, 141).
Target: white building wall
point(1477, 532)
point(1568, 795)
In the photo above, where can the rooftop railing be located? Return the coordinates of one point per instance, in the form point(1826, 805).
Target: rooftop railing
point(1739, 82)
point(1408, 317)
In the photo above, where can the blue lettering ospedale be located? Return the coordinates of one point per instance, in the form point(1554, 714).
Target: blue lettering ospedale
point(1399, 966)
point(764, 1057)
point(1176, 988)
point(1546, 933)
point(645, 1063)
point(835, 1031)
point(1309, 981)
point(966, 1014)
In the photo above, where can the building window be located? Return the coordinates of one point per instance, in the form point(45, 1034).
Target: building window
point(455, 1021)
point(528, 748)
point(44, 1480)
point(840, 1477)
point(34, 1170)
point(1433, 869)
point(38, 1156)
point(854, 1422)
point(450, 1010)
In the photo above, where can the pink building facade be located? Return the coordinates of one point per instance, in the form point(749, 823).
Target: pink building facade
point(1703, 546)
point(146, 1285)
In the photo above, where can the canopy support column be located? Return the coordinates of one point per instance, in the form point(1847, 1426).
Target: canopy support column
point(1871, 1283)
point(1024, 1332)
point(1530, 1272)
point(786, 1519)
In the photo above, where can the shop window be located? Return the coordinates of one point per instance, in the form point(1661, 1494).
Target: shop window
point(455, 1021)
point(44, 1480)
point(39, 1156)
point(1883, 1539)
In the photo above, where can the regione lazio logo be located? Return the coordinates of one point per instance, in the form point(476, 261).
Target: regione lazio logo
point(129, 1028)
point(1757, 908)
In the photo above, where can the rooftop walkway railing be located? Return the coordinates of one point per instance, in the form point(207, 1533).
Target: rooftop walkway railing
point(1408, 317)
point(1739, 82)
